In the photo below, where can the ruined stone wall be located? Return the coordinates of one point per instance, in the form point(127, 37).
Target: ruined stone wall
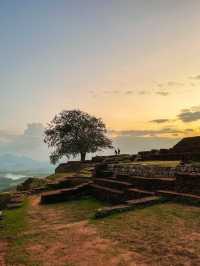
point(152, 170)
point(142, 170)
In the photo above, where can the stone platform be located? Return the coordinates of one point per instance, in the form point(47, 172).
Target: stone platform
point(125, 186)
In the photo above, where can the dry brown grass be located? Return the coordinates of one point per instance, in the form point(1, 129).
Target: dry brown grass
point(165, 234)
point(65, 235)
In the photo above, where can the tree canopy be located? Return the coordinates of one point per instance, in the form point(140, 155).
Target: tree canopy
point(75, 132)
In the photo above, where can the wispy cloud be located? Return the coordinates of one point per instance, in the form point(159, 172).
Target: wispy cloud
point(197, 77)
point(129, 92)
point(146, 133)
point(159, 121)
point(162, 93)
point(188, 115)
point(30, 142)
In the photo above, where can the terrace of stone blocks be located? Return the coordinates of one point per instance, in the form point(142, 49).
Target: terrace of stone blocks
point(124, 184)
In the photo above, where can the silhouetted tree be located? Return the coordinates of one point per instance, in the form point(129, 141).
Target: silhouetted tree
point(75, 132)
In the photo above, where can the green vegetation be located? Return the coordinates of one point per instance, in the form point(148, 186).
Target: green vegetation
point(8, 183)
point(73, 133)
point(20, 229)
point(12, 226)
point(78, 210)
point(14, 221)
point(31, 183)
point(4, 198)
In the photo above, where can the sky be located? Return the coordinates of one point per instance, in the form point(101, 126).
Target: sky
point(134, 63)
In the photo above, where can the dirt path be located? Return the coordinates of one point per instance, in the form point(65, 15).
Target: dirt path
point(3, 248)
point(56, 242)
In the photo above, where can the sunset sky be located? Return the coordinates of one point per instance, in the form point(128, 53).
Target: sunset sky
point(135, 63)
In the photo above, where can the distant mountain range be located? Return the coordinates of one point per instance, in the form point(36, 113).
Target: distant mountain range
point(12, 163)
point(8, 183)
point(15, 169)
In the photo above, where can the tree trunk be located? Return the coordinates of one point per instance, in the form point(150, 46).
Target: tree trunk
point(83, 154)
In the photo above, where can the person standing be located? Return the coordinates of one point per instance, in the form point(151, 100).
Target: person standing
point(118, 151)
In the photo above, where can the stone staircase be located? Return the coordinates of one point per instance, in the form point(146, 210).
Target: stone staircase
point(177, 196)
point(149, 183)
point(187, 188)
point(107, 194)
point(126, 187)
point(124, 191)
point(127, 206)
point(65, 194)
point(15, 201)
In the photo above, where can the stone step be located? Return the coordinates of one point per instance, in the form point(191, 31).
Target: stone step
point(66, 194)
point(127, 206)
point(108, 194)
point(188, 183)
point(149, 183)
point(179, 196)
point(16, 201)
point(105, 173)
point(113, 183)
point(11, 206)
point(145, 200)
point(135, 193)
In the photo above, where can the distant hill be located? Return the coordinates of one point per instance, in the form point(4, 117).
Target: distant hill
point(15, 169)
point(22, 164)
point(8, 183)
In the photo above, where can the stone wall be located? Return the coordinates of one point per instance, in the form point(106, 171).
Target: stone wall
point(142, 170)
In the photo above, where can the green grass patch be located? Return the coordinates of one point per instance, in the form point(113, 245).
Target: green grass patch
point(12, 226)
point(77, 210)
point(159, 163)
point(14, 221)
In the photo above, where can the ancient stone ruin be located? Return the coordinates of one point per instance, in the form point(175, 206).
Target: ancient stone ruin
point(123, 183)
point(187, 149)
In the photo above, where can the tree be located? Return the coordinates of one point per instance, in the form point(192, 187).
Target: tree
point(75, 132)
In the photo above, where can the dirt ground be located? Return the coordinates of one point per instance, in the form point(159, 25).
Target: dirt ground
point(55, 242)
point(65, 235)
point(3, 250)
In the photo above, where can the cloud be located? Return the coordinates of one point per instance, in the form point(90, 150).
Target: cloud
point(175, 84)
point(197, 77)
point(29, 143)
point(162, 93)
point(170, 84)
point(128, 92)
point(146, 133)
point(159, 121)
point(111, 91)
point(189, 116)
point(144, 92)
point(6, 136)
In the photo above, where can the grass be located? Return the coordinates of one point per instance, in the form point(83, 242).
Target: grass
point(159, 163)
point(14, 221)
point(12, 226)
point(165, 234)
point(58, 176)
point(21, 227)
point(77, 210)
